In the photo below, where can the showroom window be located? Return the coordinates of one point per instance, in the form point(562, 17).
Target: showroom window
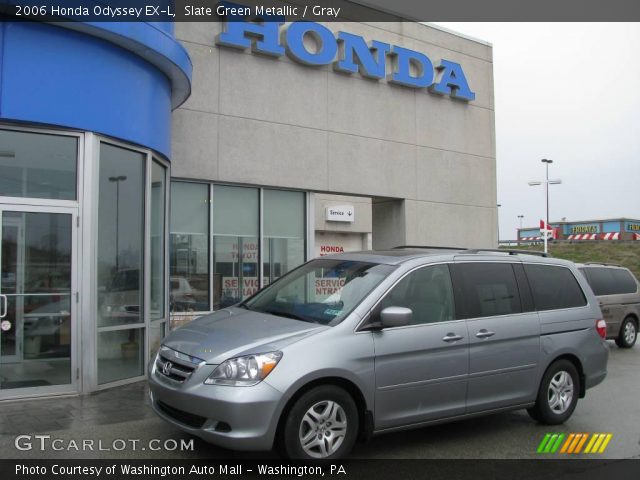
point(131, 284)
point(38, 165)
point(189, 247)
point(284, 228)
point(211, 275)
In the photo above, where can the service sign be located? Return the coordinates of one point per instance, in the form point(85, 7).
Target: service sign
point(341, 213)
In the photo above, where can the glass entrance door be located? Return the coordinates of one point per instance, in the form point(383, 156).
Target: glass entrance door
point(37, 302)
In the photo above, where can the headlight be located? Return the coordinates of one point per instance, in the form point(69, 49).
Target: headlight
point(244, 371)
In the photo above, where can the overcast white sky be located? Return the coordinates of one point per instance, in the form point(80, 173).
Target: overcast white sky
point(569, 92)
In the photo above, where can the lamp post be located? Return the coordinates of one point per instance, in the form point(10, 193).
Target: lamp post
point(520, 217)
point(498, 205)
point(546, 182)
point(117, 180)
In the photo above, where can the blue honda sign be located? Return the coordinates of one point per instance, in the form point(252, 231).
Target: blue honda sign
point(347, 52)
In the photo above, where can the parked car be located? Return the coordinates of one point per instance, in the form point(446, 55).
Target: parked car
point(356, 344)
point(618, 292)
point(184, 297)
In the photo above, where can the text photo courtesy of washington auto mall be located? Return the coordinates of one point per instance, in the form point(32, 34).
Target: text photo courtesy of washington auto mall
point(313, 238)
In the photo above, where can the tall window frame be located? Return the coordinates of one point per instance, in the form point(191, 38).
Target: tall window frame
point(148, 326)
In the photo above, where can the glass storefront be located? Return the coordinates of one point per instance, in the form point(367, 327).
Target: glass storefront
point(141, 258)
point(218, 254)
point(38, 315)
point(114, 290)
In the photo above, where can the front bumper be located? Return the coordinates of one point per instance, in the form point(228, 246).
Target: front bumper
point(238, 418)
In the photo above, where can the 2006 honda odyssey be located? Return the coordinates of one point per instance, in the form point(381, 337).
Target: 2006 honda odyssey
point(356, 344)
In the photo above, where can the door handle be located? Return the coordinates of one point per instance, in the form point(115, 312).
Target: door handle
point(484, 333)
point(451, 337)
point(4, 307)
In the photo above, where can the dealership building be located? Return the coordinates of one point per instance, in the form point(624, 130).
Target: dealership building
point(151, 172)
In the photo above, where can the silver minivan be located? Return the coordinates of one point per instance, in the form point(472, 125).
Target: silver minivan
point(352, 345)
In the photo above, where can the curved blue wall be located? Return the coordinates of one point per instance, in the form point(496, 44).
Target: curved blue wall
point(117, 79)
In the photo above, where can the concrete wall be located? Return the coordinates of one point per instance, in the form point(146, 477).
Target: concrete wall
point(428, 161)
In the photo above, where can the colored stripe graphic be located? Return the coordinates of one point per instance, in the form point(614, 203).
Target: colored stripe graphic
point(550, 443)
point(574, 443)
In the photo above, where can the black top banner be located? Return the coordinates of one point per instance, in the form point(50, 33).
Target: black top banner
point(321, 10)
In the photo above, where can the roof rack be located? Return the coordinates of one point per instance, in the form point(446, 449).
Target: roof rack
point(478, 250)
point(510, 252)
point(433, 247)
point(605, 264)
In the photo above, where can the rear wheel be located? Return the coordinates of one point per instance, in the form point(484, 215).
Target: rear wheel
point(628, 333)
point(558, 394)
point(323, 423)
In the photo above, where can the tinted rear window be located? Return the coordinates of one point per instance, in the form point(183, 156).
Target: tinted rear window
point(488, 289)
point(610, 281)
point(554, 287)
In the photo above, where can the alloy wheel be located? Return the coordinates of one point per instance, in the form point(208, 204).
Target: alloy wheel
point(323, 429)
point(560, 393)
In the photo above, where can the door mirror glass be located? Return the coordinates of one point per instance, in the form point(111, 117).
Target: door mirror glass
point(396, 317)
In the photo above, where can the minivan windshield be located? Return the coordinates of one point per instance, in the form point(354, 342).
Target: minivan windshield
point(322, 291)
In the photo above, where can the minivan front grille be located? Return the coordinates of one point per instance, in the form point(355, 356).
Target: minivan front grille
point(176, 365)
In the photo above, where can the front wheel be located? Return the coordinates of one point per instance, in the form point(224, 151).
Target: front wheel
point(628, 333)
point(558, 394)
point(323, 424)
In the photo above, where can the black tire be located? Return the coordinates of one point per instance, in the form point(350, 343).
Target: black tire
point(628, 333)
point(319, 398)
point(546, 410)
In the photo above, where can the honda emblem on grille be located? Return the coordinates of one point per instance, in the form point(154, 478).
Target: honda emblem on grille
point(166, 368)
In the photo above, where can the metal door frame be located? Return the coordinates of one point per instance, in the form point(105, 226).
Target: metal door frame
point(74, 385)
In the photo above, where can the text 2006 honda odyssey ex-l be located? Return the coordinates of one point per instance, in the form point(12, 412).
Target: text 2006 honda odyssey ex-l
point(356, 344)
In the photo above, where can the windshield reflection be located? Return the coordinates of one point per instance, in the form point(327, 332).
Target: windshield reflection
point(322, 291)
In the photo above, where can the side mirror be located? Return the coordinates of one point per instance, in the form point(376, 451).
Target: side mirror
point(396, 317)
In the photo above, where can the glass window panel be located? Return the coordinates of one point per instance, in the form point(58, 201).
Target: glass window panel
point(120, 236)
point(38, 165)
point(235, 244)
point(189, 247)
point(554, 287)
point(120, 354)
point(489, 289)
point(235, 211)
point(284, 227)
point(427, 292)
point(35, 263)
point(158, 193)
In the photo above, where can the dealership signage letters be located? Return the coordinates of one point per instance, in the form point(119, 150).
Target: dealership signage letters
point(347, 52)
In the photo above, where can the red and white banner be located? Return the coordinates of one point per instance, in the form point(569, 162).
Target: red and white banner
point(636, 236)
point(583, 236)
point(548, 230)
point(530, 239)
point(610, 236)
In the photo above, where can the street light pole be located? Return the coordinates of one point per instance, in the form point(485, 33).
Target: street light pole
point(498, 205)
point(546, 182)
point(520, 217)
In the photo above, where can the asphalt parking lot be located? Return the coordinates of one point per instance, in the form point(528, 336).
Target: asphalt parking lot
point(123, 414)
